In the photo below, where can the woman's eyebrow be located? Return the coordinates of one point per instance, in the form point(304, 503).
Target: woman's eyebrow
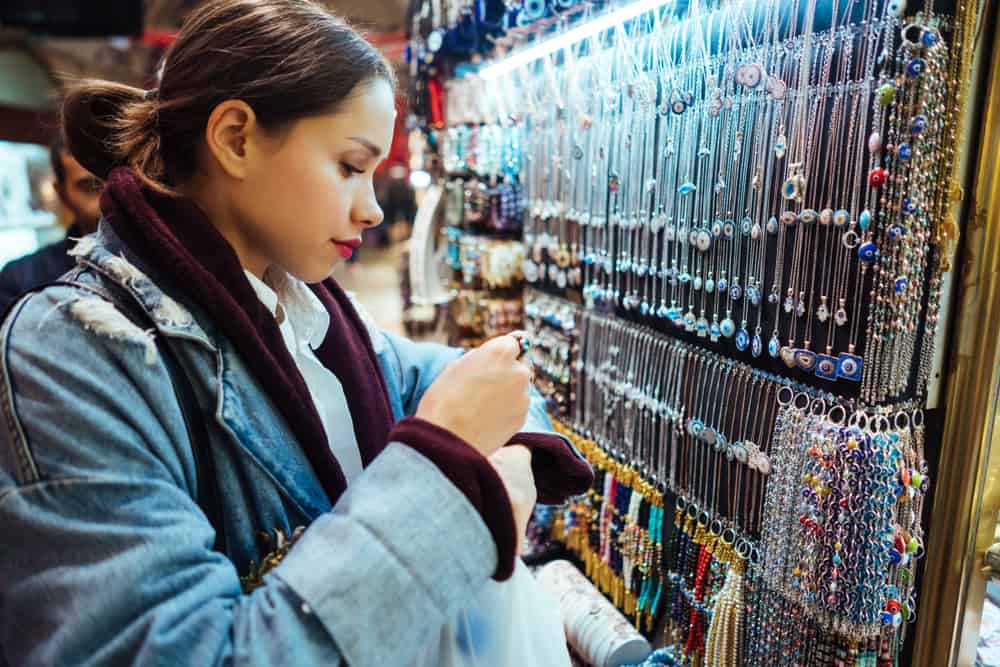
point(372, 148)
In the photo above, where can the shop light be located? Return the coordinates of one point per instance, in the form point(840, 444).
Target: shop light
point(419, 179)
point(570, 37)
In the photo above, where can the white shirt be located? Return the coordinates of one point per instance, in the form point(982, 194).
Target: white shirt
point(304, 322)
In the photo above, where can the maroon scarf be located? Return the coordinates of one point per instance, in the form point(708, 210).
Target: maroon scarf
point(176, 238)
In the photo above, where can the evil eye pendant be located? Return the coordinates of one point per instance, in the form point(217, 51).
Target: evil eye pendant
point(865, 220)
point(703, 241)
point(756, 346)
point(749, 74)
point(904, 152)
point(677, 104)
point(805, 360)
point(868, 252)
point(686, 188)
point(808, 216)
point(909, 206)
point(840, 218)
point(916, 67)
point(886, 94)
point(780, 146)
point(774, 346)
point(918, 124)
point(826, 367)
point(826, 217)
point(896, 8)
point(788, 218)
point(772, 226)
point(849, 367)
point(742, 339)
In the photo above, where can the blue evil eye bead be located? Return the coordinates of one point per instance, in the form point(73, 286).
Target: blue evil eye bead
point(918, 124)
point(696, 284)
point(780, 146)
point(772, 226)
point(865, 221)
point(714, 331)
point(895, 231)
point(735, 292)
point(709, 285)
point(841, 217)
point(805, 360)
point(916, 67)
point(686, 188)
point(790, 189)
point(826, 367)
point(701, 327)
point(727, 327)
point(753, 295)
point(849, 367)
point(774, 346)
point(909, 206)
point(729, 229)
point(808, 216)
point(684, 277)
point(746, 226)
point(756, 346)
point(644, 309)
point(900, 284)
point(904, 152)
point(742, 339)
point(896, 8)
point(894, 556)
point(868, 252)
point(930, 38)
point(723, 284)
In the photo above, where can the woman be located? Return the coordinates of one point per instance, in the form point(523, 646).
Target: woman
point(354, 491)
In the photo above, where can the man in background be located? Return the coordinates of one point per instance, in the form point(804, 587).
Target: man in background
point(80, 193)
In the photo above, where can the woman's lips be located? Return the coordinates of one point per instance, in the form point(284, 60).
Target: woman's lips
point(346, 248)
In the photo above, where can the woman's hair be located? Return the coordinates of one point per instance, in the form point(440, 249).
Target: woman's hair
point(287, 59)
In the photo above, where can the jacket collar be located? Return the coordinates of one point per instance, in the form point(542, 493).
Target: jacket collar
point(174, 237)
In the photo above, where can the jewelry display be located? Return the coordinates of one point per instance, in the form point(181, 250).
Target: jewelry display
point(551, 323)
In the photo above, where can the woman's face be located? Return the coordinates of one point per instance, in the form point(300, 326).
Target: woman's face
point(309, 193)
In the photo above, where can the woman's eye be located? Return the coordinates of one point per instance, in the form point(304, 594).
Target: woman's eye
point(350, 170)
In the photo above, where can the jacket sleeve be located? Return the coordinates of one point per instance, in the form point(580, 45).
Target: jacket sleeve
point(106, 559)
point(560, 470)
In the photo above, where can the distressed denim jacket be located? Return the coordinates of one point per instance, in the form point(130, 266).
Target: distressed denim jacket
point(105, 557)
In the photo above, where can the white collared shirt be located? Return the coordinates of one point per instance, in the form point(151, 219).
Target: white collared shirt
point(304, 322)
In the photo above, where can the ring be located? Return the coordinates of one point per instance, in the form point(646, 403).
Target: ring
point(523, 342)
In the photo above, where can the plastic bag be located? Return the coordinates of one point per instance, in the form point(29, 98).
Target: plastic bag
point(511, 623)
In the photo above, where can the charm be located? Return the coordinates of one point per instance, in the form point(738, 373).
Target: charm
point(916, 67)
point(772, 226)
point(735, 292)
point(877, 177)
point(780, 146)
point(826, 367)
point(714, 332)
point(696, 284)
point(874, 142)
point(787, 355)
point(909, 206)
point(688, 98)
point(896, 7)
point(749, 74)
point(849, 367)
point(865, 220)
point(808, 216)
point(753, 295)
point(663, 109)
point(701, 326)
point(840, 317)
point(742, 339)
point(826, 216)
point(895, 231)
point(704, 240)
point(789, 304)
point(677, 104)
point(904, 152)
point(709, 286)
point(918, 124)
point(900, 284)
point(728, 229)
point(722, 285)
point(795, 185)
point(840, 218)
point(686, 188)
point(613, 183)
point(774, 346)
point(805, 360)
point(886, 94)
point(788, 218)
point(930, 37)
point(746, 226)
point(776, 87)
point(756, 346)
point(756, 231)
point(868, 252)
point(717, 229)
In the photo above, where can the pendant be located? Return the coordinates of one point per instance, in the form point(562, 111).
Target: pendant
point(686, 188)
point(740, 452)
point(868, 252)
point(756, 346)
point(900, 284)
point(780, 146)
point(800, 310)
point(753, 295)
point(774, 346)
point(793, 187)
point(727, 327)
point(772, 225)
point(877, 177)
point(823, 313)
point(840, 218)
point(772, 298)
point(909, 206)
point(895, 231)
point(662, 311)
point(840, 317)
point(808, 216)
point(742, 339)
point(722, 285)
point(805, 360)
point(918, 124)
point(735, 292)
point(663, 109)
point(714, 332)
point(865, 221)
point(789, 304)
point(703, 241)
point(826, 216)
point(788, 218)
point(701, 327)
point(904, 152)
point(849, 367)
point(689, 321)
point(696, 284)
point(756, 231)
point(530, 271)
point(885, 94)
point(561, 279)
point(577, 152)
point(916, 67)
point(709, 286)
point(717, 229)
point(787, 355)
point(749, 74)
point(728, 229)
point(776, 87)
point(826, 367)
point(874, 142)
point(896, 7)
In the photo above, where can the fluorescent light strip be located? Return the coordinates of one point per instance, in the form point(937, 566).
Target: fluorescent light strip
point(570, 37)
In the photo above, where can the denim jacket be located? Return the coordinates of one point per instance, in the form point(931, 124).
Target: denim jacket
point(107, 559)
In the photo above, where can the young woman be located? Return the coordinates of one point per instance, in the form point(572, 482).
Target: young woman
point(337, 493)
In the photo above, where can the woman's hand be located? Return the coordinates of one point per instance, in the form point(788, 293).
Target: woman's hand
point(482, 397)
point(513, 465)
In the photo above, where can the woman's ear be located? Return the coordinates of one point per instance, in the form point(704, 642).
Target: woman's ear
point(227, 133)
